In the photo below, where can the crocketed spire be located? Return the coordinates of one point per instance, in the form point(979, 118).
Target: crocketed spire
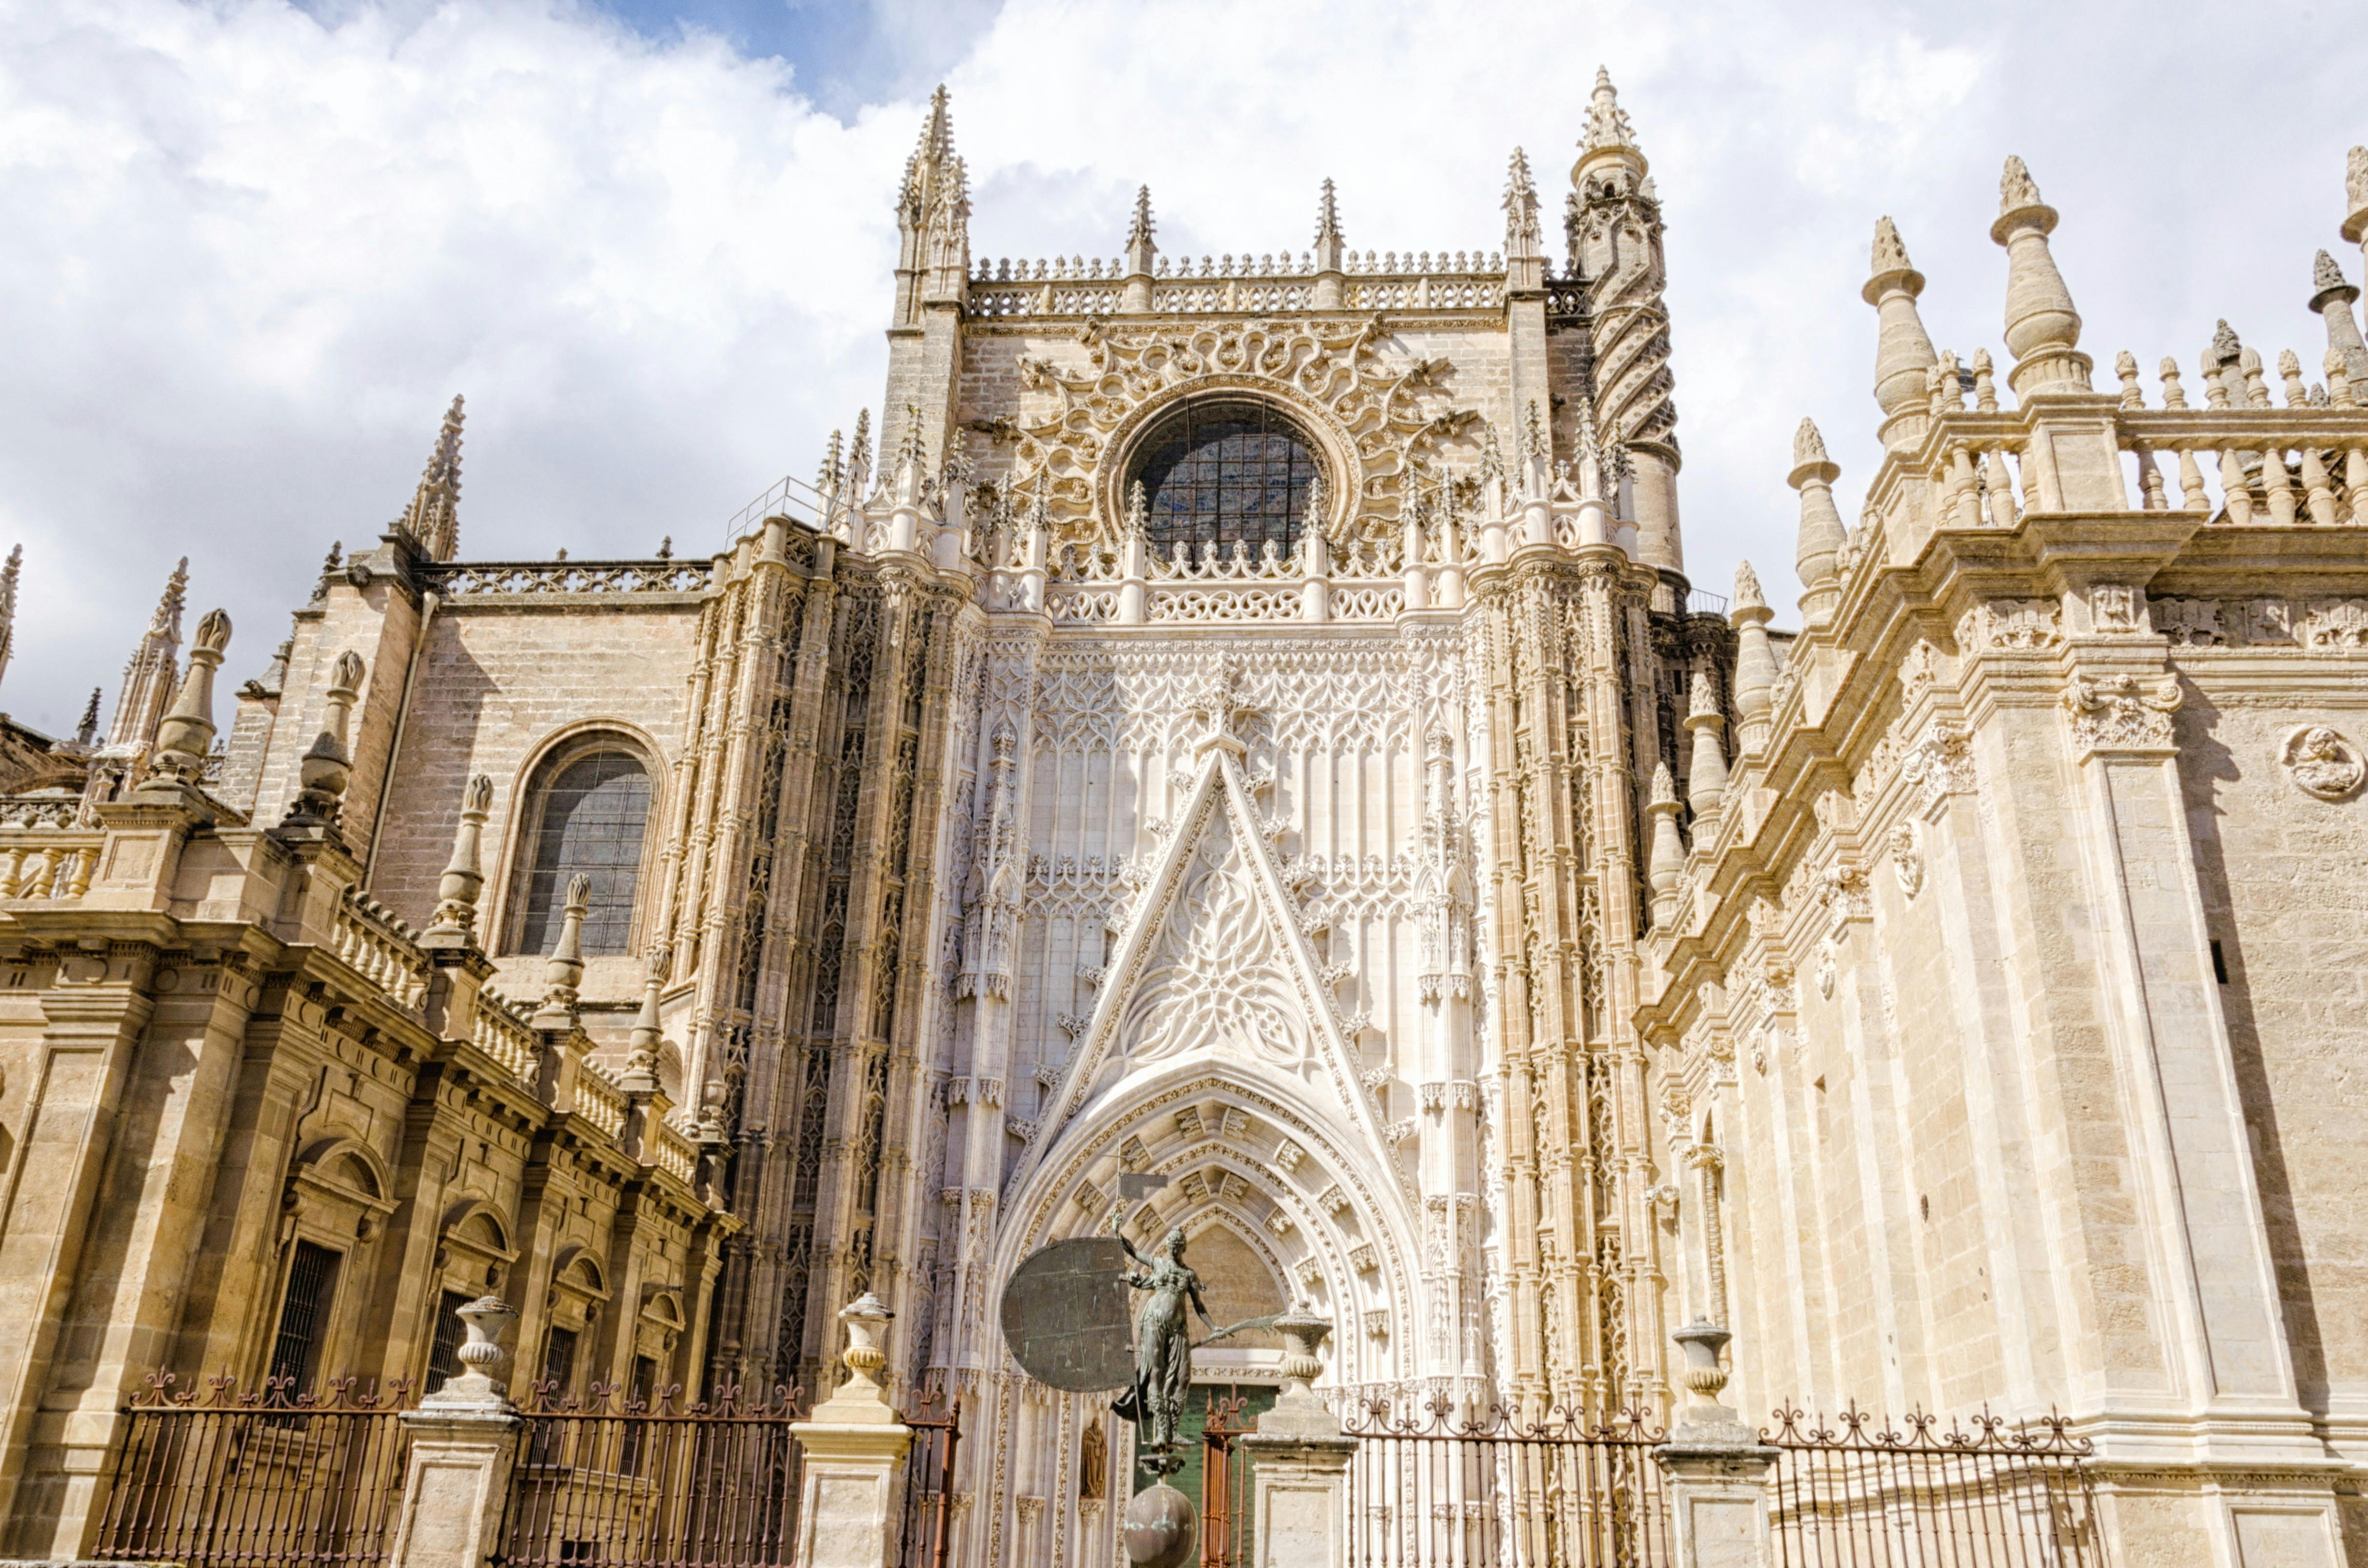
point(9, 606)
point(1523, 239)
point(1607, 122)
point(154, 669)
point(433, 520)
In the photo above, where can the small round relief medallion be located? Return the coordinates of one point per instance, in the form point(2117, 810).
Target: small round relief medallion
point(2322, 764)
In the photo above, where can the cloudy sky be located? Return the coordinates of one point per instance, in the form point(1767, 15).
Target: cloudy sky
point(249, 249)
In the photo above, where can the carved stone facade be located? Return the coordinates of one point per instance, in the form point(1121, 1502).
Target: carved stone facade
point(1415, 901)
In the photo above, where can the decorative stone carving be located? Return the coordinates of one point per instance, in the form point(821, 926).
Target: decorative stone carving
point(2010, 626)
point(1908, 857)
point(2120, 712)
point(2322, 764)
point(1940, 765)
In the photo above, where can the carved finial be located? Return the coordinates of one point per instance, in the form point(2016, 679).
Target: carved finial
point(1607, 122)
point(464, 879)
point(432, 521)
point(1319, 505)
point(1665, 787)
point(1137, 521)
point(1747, 594)
point(2226, 347)
point(1142, 247)
point(2017, 189)
point(2355, 179)
point(833, 471)
point(2325, 274)
point(325, 769)
point(1890, 251)
point(2125, 365)
point(186, 733)
point(640, 1075)
point(1808, 445)
point(563, 973)
point(858, 457)
point(930, 154)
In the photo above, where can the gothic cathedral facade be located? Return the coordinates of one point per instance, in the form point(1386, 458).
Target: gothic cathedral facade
point(1246, 755)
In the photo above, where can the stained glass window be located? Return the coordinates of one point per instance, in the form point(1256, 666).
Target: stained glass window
point(1215, 473)
point(594, 811)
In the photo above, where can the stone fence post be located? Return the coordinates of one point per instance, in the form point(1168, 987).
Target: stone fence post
point(853, 1444)
point(1301, 1504)
point(1718, 1469)
point(464, 1437)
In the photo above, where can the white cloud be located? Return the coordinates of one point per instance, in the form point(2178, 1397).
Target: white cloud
point(250, 252)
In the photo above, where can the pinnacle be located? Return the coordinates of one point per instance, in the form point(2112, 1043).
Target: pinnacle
point(167, 621)
point(2325, 274)
point(1140, 231)
point(1520, 189)
point(2356, 177)
point(2226, 344)
point(1665, 789)
point(1327, 214)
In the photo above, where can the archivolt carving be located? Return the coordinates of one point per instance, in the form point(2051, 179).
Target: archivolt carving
point(1371, 410)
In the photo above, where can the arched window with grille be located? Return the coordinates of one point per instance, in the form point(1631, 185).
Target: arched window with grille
point(1222, 471)
point(587, 812)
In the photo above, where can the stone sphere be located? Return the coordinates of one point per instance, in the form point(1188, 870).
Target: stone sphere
point(1161, 1528)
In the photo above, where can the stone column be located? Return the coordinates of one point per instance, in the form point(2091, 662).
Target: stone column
point(464, 1437)
point(1718, 1470)
point(853, 1444)
point(1300, 1508)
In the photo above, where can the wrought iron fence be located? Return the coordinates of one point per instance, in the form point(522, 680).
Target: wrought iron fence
point(260, 1478)
point(1225, 1481)
point(629, 1482)
point(1864, 1493)
point(1488, 1490)
point(927, 1515)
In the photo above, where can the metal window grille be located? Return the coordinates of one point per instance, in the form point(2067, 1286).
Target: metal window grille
point(444, 1349)
point(594, 813)
point(1223, 472)
point(312, 1279)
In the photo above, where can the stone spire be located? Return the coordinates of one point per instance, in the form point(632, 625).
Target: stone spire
point(1706, 771)
point(1903, 351)
point(433, 518)
point(1667, 861)
point(2043, 330)
point(8, 575)
point(933, 218)
point(1755, 659)
point(149, 678)
point(1611, 208)
point(1328, 238)
point(1818, 556)
point(1524, 242)
point(185, 735)
point(2331, 297)
point(86, 732)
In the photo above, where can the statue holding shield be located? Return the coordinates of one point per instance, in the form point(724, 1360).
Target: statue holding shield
point(1163, 1347)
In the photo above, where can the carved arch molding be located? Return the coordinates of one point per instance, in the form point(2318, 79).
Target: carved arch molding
point(1376, 411)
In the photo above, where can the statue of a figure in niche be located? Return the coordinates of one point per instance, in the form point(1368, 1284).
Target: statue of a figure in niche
point(1163, 1347)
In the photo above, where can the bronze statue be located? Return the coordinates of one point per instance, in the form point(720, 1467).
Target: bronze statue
point(1163, 1347)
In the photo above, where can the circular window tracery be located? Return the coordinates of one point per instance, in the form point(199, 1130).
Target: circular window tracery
point(1225, 472)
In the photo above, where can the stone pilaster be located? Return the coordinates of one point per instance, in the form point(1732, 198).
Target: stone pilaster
point(1300, 1509)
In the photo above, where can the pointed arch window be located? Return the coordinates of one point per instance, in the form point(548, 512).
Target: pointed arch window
point(588, 814)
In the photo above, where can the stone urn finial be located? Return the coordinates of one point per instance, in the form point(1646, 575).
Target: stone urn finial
point(867, 1318)
point(1704, 1374)
point(487, 1320)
